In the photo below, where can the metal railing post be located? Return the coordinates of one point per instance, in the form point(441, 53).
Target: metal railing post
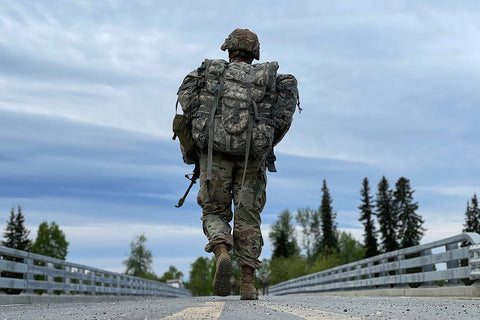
point(452, 264)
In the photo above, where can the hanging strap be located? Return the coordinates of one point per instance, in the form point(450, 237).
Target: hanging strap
point(211, 124)
point(176, 112)
point(253, 112)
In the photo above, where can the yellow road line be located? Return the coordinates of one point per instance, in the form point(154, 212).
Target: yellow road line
point(307, 313)
point(212, 310)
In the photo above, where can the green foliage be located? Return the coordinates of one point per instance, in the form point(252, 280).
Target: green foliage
point(282, 268)
point(139, 263)
point(367, 218)
point(202, 272)
point(16, 234)
point(329, 228)
point(324, 261)
point(50, 241)
point(264, 269)
point(387, 216)
point(411, 228)
point(236, 273)
point(171, 274)
point(283, 236)
point(350, 250)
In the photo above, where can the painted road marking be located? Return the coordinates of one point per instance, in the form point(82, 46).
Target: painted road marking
point(212, 310)
point(307, 313)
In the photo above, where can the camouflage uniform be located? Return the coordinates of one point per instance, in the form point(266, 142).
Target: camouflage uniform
point(215, 197)
point(234, 113)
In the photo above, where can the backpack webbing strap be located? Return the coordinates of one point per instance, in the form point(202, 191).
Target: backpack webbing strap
point(270, 161)
point(249, 140)
point(211, 123)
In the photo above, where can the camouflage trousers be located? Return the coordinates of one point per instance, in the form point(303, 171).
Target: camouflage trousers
point(215, 198)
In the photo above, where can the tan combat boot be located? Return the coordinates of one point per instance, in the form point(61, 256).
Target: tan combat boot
point(221, 282)
point(247, 287)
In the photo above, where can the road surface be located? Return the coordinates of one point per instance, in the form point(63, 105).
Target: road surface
point(308, 307)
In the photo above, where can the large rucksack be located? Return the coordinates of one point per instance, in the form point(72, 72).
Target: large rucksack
point(237, 108)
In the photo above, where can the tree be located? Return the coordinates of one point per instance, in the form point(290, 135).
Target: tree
point(472, 216)
point(329, 228)
point(366, 217)
point(387, 216)
point(50, 241)
point(283, 236)
point(282, 268)
point(411, 228)
point(201, 276)
point(350, 250)
point(171, 274)
point(139, 263)
point(16, 234)
point(312, 234)
point(16, 237)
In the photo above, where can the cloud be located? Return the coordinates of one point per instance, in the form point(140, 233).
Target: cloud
point(456, 191)
point(89, 88)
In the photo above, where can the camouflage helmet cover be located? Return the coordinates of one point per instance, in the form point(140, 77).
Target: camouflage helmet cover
point(242, 39)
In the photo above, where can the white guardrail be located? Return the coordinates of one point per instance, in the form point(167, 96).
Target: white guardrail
point(31, 273)
point(451, 261)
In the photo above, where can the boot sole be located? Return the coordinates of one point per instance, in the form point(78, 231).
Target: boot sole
point(221, 284)
point(249, 297)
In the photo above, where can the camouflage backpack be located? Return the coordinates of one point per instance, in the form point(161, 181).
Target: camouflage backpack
point(238, 108)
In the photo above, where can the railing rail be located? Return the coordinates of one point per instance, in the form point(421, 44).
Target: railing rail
point(451, 261)
point(32, 273)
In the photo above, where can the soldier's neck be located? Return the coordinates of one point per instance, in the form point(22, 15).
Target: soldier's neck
point(240, 59)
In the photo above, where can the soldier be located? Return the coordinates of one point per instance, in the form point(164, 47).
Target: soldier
point(229, 107)
point(265, 282)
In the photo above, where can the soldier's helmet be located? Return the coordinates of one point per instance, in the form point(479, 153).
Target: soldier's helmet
point(242, 40)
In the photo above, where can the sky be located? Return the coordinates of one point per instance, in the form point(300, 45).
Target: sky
point(88, 91)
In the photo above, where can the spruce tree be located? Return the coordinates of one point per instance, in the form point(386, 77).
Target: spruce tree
point(366, 217)
point(329, 229)
point(16, 234)
point(472, 216)
point(387, 216)
point(476, 212)
point(283, 236)
point(411, 228)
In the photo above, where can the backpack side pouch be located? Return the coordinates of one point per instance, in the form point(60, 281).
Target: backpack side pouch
point(181, 129)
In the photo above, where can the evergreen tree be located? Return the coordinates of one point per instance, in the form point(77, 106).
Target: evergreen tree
point(312, 234)
point(16, 234)
point(472, 216)
point(411, 228)
point(283, 236)
point(50, 241)
point(387, 216)
point(366, 216)
point(329, 228)
point(139, 263)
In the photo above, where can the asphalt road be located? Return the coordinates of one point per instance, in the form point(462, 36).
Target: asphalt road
point(308, 307)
